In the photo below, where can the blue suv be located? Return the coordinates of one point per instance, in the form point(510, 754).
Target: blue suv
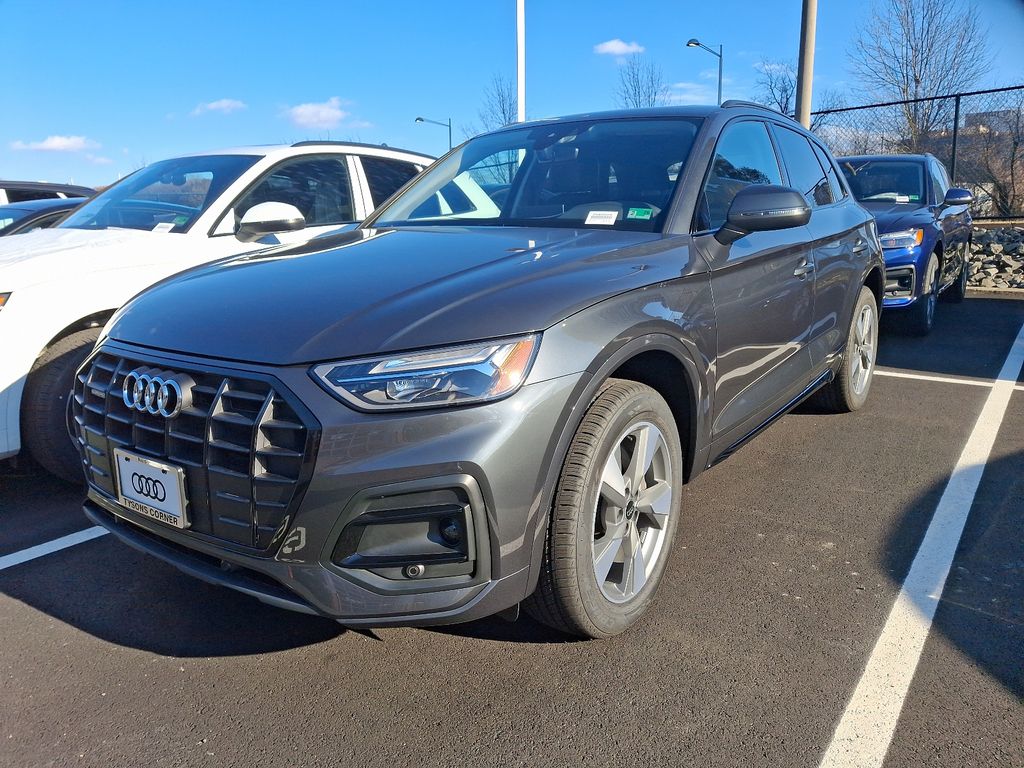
point(925, 228)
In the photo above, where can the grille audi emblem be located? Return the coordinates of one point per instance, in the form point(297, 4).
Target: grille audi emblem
point(157, 392)
point(148, 487)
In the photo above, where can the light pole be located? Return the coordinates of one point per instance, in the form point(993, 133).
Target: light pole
point(805, 70)
point(447, 125)
point(693, 42)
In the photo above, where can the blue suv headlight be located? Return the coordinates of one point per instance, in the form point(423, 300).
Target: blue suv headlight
point(905, 238)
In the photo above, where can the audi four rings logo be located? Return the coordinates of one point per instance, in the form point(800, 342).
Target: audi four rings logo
point(148, 487)
point(156, 392)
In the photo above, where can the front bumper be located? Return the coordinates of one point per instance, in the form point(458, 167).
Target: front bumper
point(904, 282)
point(490, 463)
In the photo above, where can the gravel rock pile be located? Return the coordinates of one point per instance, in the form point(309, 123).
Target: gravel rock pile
point(997, 258)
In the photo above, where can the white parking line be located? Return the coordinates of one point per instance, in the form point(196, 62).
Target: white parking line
point(17, 558)
point(939, 379)
point(865, 731)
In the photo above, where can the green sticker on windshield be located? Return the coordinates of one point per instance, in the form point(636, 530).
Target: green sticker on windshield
point(179, 220)
point(640, 213)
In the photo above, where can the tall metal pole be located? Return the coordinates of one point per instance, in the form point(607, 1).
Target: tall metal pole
point(521, 60)
point(805, 68)
point(956, 135)
point(719, 74)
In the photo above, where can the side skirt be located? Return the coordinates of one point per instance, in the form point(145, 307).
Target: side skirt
point(809, 390)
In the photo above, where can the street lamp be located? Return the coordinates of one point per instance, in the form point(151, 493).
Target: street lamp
point(693, 42)
point(447, 125)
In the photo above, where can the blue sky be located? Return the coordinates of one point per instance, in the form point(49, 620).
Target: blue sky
point(94, 90)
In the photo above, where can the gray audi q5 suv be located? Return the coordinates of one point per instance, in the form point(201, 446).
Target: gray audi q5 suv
point(494, 390)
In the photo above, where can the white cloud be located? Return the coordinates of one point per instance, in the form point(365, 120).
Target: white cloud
point(618, 47)
point(98, 159)
point(317, 115)
point(58, 144)
point(692, 93)
point(224, 106)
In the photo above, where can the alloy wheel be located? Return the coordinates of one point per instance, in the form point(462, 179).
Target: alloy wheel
point(631, 515)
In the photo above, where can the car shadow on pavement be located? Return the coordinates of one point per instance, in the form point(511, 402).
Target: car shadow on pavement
point(981, 612)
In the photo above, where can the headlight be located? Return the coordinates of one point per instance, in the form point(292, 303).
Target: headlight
point(3, 299)
point(906, 238)
point(468, 373)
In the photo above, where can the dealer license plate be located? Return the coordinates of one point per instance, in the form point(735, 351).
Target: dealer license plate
point(151, 488)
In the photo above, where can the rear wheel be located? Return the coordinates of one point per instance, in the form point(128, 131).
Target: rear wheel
point(848, 391)
point(44, 427)
point(614, 517)
point(920, 316)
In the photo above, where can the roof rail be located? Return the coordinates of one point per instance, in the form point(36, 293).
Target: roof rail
point(330, 143)
point(744, 103)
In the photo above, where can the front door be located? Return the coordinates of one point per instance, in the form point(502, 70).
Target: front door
point(763, 288)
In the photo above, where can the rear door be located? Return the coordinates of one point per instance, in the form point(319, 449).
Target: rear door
point(762, 286)
point(836, 240)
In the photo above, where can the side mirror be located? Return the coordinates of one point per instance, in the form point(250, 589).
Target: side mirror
point(958, 196)
point(763, 207)
point(267, 219)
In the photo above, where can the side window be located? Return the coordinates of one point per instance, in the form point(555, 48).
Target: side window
point(386, 176)
point(805, 172)
point(838, 191)
point(44, 223)
point(24, 195)
point(744, 156)
point(938, 186)
point(317, 185)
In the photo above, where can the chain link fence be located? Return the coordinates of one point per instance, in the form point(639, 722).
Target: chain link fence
point(978, 135)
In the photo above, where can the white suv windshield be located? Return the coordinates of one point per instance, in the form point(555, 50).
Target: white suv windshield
point(166, 196)
point(607, 174)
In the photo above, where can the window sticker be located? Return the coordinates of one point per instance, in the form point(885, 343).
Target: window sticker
point(180, 219)
point(643, 214)
point(903, 198)
point(164, 226)
point(602, 217)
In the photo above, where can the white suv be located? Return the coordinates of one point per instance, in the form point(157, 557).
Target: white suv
point(59, 286)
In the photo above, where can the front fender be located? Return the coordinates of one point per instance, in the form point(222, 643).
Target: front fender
point(599, 340)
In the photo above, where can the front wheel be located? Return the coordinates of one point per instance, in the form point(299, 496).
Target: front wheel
point(614, 516)
point(44, 408)
point(957, 292)
point(920, 316)
point(848, 391)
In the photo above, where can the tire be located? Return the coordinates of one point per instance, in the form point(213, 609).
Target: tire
point(848, 391)
point(44, 429)
point(957, 292)
point(588, 530)
point(919, 318)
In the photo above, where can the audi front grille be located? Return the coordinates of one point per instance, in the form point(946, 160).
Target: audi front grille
point(247, 445)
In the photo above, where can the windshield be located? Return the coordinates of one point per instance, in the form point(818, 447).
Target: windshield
point(893, 181)
point(608, 174)
point(166, 197)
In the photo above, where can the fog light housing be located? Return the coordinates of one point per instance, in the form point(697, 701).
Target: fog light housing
point(412, 542)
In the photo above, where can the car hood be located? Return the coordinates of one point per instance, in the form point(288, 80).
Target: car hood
point(892, 217)
point(45, 254)
point(372, 291)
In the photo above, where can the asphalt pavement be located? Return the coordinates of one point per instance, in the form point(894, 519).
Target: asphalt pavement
point(789, 558)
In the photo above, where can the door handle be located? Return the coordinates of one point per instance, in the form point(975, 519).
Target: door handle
point(803, 268)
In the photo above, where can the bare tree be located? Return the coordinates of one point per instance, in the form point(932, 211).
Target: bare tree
point(914, 49)
point(992, 148)
point(641, 84)
point(776, 88)
point(500, 105)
